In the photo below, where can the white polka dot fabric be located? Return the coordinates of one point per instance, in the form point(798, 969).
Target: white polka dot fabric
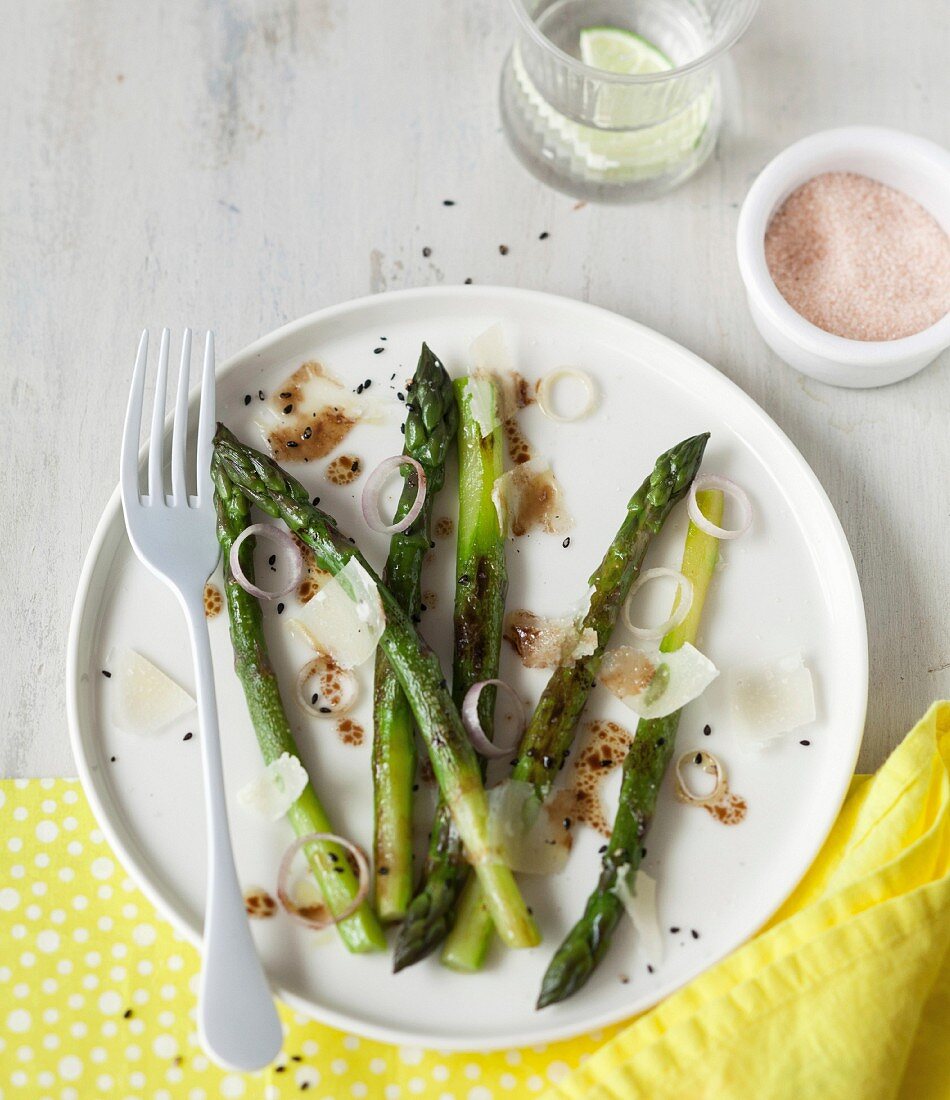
point(97, 992)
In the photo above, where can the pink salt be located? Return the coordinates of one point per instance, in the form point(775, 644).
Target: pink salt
point(859, 259)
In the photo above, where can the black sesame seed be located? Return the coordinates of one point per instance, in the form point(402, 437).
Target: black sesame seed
point(285, 394)
point(674, 929)
point(707, 730)
point(661, 741)
point(566, 822)
point(567, 542)
point(260, 395)
point(304, 1085)
point(359, 388)
point(602, 849)
point(354, 465)
point(427, 251)
point(503, 249)
point(401, 395)
point(111, 759)
point(107, 674)
point(378, 351)
point(288, 409)
point(280, 609)
point(292, 443)
point(694, 933)
point(448, 202)
point(334, 858)
point(325, 710)
point(423, 607)
point(307, 432)
point(806, 743)
point(316, 501)
point(272, 560)
point(247, 399)
point(339, 870)
point(649, 968)
point(314, 698)
point(415, 786)
point(280, 1069)
point(296, 1058)
point(468, 282)
point(543, 236)
point(127, 1015)
point(402, 428)
point(188, 736)
point(698, 758)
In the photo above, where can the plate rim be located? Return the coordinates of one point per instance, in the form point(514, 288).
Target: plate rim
point(170, 907)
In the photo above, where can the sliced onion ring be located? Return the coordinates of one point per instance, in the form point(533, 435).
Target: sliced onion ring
point(326, 664)
point(285, 541)
point(731, 489)
point(362, 868)
point(550, 380)
point(709, 764)
point(684, 587)
point(369, 502)
point(473, 726)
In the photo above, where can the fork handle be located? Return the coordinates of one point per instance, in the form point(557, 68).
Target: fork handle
point(237, 1019)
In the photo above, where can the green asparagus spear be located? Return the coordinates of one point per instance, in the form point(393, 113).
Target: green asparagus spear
point(649, 756)
point(481, 582)
point(417, 669)
point(334, 875)
point(431, 421)
point(547, 740)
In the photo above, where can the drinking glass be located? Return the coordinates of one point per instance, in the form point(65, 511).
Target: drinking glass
point(612, 136)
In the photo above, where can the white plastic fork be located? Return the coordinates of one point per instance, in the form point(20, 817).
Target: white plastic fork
point(174, 536)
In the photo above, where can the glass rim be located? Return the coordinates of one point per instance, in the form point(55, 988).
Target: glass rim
point(721, 47)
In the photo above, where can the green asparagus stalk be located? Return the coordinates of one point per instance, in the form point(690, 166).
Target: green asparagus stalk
point(481, 583)
point(417, 669)
point(335, 877)
point(431, 421)
point(547, 740)
point(643, 769)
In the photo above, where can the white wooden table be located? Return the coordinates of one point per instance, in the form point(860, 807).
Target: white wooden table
point(234, 164)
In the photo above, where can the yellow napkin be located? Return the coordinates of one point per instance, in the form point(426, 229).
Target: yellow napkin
point(846, 994)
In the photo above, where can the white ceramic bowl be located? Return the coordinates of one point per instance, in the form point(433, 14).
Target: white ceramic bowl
point(910, 164)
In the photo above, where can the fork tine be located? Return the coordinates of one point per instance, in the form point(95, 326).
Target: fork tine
point(206, 421)
point(129, 461)
point(180, 428)
point(156, 448)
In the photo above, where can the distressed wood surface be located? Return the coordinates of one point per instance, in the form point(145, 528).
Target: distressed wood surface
point(237, 164)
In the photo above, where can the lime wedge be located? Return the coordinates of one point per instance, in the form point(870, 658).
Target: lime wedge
point(618, 51)
point(641, 131)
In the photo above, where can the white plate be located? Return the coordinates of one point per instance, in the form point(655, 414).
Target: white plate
point(790, 584)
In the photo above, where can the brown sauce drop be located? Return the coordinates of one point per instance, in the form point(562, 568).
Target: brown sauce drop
point(604, 748)
point(728, 808)
point(213, 601)
point(626, 671)
point(258, 904)
point(519, 449)
point(535, 500)
point(314, 578)
point(305, 433)
point(539, 642)
point(350, 732)
point(344, 470)
point(444, 526)
point(524, 391)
